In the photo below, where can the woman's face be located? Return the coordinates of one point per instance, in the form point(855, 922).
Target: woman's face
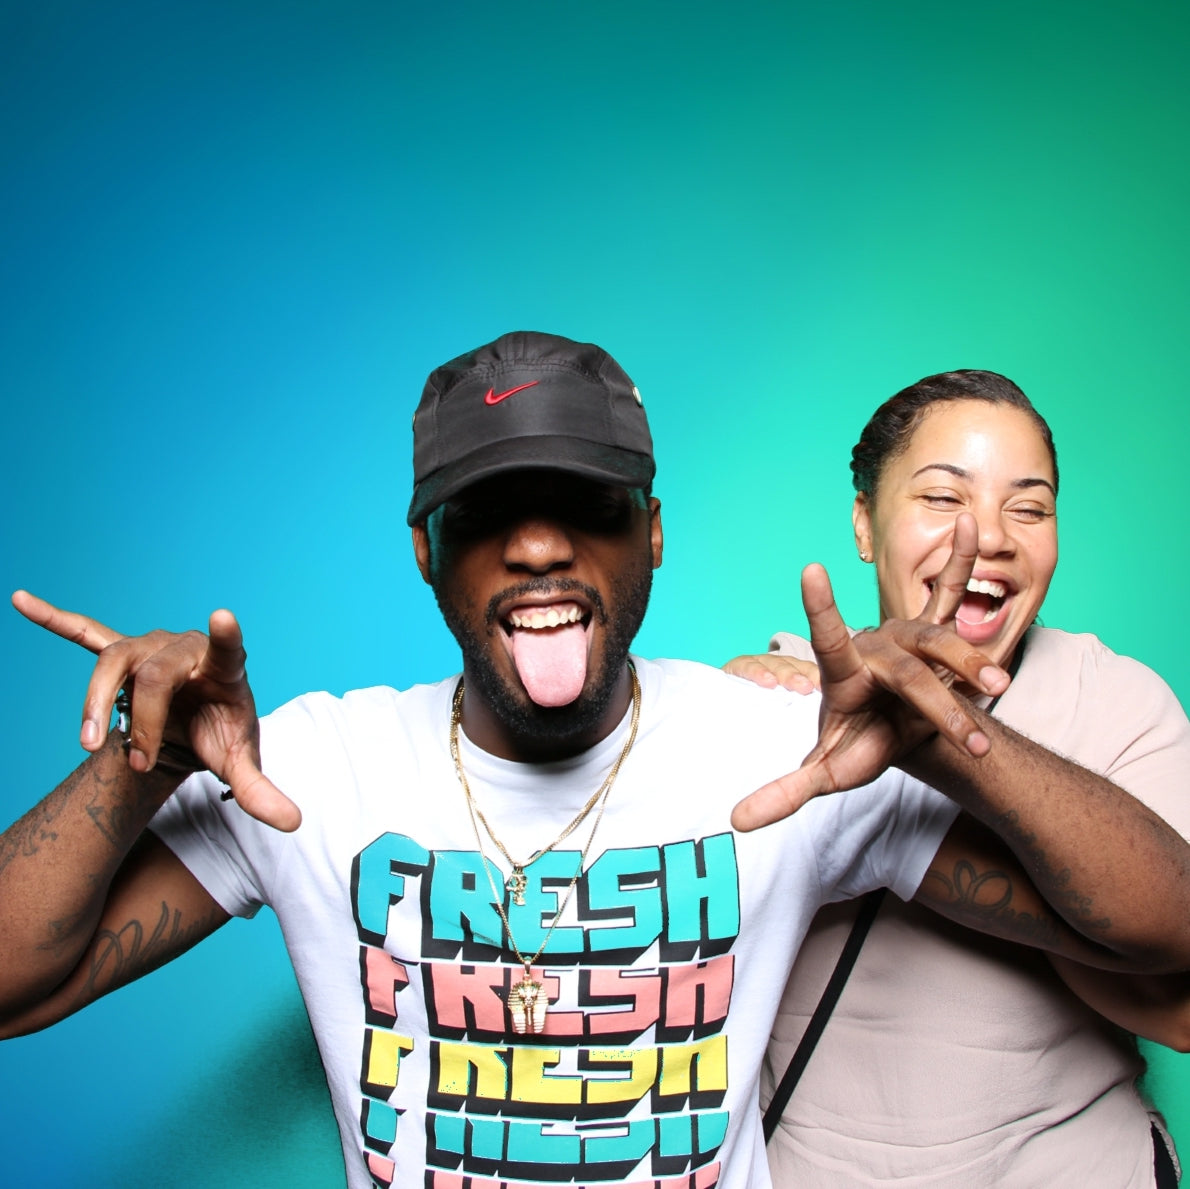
point(966, 456)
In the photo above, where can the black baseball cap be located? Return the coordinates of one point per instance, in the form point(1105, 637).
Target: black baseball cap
point(527, 400)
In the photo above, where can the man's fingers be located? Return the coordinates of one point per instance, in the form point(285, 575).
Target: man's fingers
point(80, 629)
point(160, 664)
point(157, 678)
point(780, 798)
point(950, 587)
point(258, 796)
point(837, 658)
point(891, 653)
point(940, 707)
point(916, 683)
point(153, 668)
point(95, 637)
point(225, 657)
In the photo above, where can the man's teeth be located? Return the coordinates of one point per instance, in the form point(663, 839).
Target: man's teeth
point(544, 617)
point(996, 589)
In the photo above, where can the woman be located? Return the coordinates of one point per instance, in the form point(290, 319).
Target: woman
point(952, 1059)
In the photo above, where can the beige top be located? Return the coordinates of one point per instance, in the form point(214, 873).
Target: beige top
point(953, 1059)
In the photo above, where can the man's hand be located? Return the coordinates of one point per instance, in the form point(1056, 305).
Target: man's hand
point(884, 691)
point(186, 688)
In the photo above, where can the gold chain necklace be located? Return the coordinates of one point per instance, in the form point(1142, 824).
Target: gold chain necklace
point(526, 1001)
point(516, 883)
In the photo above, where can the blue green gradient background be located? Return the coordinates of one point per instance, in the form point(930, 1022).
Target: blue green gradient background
point(236, 237)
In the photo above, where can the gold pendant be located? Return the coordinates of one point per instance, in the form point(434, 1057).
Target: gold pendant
point(516, 884)
point(527, 1001)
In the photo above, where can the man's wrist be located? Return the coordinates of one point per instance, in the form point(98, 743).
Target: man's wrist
point(174, 758)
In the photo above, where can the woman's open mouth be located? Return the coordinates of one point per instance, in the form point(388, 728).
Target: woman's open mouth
point(982, 602)
point(982, 613)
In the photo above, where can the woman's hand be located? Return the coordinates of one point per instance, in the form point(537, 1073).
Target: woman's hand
point(771, 669)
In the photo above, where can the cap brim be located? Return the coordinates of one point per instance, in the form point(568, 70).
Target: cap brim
point(605, 464)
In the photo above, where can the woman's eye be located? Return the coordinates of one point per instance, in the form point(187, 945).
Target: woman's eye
point(1030, 515)
point(941, 499)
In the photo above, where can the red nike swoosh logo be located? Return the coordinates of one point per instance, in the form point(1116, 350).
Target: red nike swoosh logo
point(494, 398)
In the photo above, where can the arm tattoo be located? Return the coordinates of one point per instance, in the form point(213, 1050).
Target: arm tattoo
point(1055, 886)
point(24, 838)
point(984, 899)
point(103, 802)
point(997, 898)
point(113, 812)
point(119, 956)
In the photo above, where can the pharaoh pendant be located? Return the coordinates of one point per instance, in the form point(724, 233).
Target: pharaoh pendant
point(516, 884)
point(527, 1002)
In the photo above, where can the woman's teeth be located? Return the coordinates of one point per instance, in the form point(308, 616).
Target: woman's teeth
point(996, 589)
point(990, 599)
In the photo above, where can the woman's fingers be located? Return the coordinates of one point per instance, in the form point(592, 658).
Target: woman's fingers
point(771, 669)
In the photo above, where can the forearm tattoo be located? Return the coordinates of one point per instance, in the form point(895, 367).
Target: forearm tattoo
point(114, 806)
point(119, 956)
point(997, 899)
point(984, 898)
point(1055, 886)
point(24, 838)
point(98, 791)
point(106, 801)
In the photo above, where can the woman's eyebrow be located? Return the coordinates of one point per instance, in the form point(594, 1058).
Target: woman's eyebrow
point(960, 473)
point(948, 467)
point(1022, 483)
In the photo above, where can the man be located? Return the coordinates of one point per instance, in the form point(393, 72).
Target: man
point(532, 948)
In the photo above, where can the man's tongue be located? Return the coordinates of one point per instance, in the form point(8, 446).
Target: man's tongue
point(551, 662)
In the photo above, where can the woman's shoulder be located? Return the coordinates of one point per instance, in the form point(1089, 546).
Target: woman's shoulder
point(1081, 656)
point(1072, 693)
point(789, 644)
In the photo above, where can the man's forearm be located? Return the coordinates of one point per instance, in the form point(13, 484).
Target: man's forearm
point(1109, 867)
point(57, 864)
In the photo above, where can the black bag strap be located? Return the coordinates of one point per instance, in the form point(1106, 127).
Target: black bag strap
point(869, 905)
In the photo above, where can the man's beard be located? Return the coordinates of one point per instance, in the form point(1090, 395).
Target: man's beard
point(550, 729)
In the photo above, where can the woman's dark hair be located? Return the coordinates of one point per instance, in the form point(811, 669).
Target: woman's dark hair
point(890, 428)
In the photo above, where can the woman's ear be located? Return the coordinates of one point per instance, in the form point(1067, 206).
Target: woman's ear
point(861, 522)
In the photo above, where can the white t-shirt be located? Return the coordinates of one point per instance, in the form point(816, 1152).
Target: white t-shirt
point(956, 1059)
point(664, 970)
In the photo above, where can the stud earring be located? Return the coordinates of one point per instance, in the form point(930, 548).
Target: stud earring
point(864, 555)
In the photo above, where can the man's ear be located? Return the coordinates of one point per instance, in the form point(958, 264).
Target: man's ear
point(861, 522)
point(656, 537)
point(421, 550)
